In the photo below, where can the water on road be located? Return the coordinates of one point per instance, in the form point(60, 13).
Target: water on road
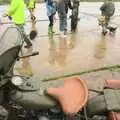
point(85, 49)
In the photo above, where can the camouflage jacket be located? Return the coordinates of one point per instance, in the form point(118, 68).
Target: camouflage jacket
point(108, 9)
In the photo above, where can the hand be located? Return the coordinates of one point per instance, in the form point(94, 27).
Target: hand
point(5, 15)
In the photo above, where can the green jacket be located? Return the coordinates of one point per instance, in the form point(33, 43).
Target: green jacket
point(17, 11)
point(31, 4)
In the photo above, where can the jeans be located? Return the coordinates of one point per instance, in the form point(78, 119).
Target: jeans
point(62, 16)
point(26, 39)
point(63, 22)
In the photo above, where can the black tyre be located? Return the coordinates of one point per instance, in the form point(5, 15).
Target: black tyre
point(96, 106)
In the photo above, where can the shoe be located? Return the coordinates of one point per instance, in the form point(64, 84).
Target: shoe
point(64, 36)
point(78, 19)
point(33, 18)
point(28, 46)
point(33, 34)
point(53, 31)
point(50, 30)
point(104, 32)
point(65, 32)
point(61, 34)
point(112, 29)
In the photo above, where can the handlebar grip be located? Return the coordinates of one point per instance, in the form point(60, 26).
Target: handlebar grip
point(26, 56)
point(35, 53)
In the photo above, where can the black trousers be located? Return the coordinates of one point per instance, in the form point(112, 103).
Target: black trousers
point(51, 20)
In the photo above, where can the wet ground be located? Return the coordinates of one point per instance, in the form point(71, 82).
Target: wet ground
point(85, 49)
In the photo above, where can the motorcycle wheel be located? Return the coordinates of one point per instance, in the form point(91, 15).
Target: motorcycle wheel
point(96, 106)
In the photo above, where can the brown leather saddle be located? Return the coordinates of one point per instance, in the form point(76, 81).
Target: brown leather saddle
point(72, 96)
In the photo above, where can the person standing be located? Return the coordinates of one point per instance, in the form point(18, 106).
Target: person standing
point(63, 6)
point(16, 11)
point(51, 11)
point(107, 10)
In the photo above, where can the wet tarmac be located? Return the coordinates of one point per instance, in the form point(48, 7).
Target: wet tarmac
point(85, 49)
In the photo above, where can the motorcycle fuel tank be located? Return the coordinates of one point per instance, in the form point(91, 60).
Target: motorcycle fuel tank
point(35, 98)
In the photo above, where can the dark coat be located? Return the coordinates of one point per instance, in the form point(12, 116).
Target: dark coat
point(108, 9)
point(63, 6)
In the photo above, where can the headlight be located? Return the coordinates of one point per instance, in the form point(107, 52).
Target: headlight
point(17, 81)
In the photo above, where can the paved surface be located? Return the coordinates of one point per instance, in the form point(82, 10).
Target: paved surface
point(86, 49)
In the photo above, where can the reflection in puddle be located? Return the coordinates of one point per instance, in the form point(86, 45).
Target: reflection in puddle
point(25, 67)
point(57, 51)
point(52, 50)
point(72, 41)
point(62, 51)
point(100, 48)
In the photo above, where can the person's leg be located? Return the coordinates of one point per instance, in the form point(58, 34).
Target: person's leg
point(61, 23)
point(32, 14)
point(51, 21)
point(50, 28)
point(65, 24)
point(26, 39)
point(107, 19)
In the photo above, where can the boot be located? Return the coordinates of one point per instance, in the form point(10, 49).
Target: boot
point(28, 43)
point(50, 30)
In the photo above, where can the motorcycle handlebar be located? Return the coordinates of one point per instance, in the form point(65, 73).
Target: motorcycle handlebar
point(32, 54)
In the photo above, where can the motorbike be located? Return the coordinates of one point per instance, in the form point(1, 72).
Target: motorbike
point(29, 98)
point(106, 103)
